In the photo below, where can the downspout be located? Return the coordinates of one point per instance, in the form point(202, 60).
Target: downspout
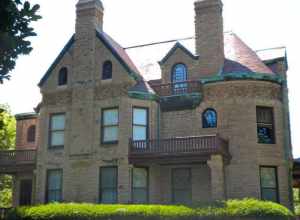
point(287, 133)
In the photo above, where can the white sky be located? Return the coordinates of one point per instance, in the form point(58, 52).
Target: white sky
point(260, 23)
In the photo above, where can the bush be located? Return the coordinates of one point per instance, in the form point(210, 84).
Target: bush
point(221, 210)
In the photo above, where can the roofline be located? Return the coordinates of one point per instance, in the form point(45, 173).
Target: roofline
point(271, 48)
point(25, 116)
point(57, 60)
point(174, 48)
point(117, 56)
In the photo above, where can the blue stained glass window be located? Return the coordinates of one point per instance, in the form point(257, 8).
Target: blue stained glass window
point(179, 78)
point(209, 118)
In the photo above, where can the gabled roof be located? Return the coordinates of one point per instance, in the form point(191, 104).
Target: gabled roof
point(240, 57)
point(119, 53)
point(174, 48)
point(57, 60)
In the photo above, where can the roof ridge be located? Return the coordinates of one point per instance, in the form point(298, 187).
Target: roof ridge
point(158, 42)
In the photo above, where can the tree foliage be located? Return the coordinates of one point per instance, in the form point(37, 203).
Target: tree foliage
point(7, 141)
point(15, 20)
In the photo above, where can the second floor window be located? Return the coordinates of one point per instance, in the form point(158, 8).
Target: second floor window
point(179, 78)
point(63, 76)
point(54, 186)
point(57, 130)
point(107, 70)
point(265, 125)
point(209, 118)
point(140, 124)
point(110, 126)
point(31, 134)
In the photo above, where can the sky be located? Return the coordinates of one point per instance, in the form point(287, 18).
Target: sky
point(260, 23)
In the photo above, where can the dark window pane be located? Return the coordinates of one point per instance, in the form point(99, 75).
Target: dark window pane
point(209, 119)
point(54, 185)
point(265, 134)
point(182, 186)
point(108, 185)
point(269, 195)
point(63, 76)
point(265, 127)
point(140, 195)
point(31, 134)
point(107, 70)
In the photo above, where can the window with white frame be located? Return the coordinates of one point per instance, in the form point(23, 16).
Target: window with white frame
point(140, 124)
point(57, 130)
point(110, 126)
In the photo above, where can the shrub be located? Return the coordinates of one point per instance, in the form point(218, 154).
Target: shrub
point(220, 210)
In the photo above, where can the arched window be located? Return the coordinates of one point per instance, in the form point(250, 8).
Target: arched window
point(209, 118)
point(107, 70)
point(31, 134)
point(63, 76)
point(179, 78)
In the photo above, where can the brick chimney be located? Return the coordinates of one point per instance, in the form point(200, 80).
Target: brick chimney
point(209, 36)
point(89, 16)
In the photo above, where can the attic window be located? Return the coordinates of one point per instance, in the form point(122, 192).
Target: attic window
point(107, 70)
point(63, 76)
point(179, 78)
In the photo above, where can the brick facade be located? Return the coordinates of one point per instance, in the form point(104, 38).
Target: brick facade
point(85, 95)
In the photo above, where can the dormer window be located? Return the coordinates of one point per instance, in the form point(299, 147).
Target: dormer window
point(63, 76)
point(107, 70)
point(179, 78)
point(31, 134)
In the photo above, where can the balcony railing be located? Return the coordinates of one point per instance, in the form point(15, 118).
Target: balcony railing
point(15, 160)
point(199, 148)
point(177, 88)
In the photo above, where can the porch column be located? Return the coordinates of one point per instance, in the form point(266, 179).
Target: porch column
point(216, 165)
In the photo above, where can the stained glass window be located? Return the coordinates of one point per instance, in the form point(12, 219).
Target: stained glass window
point(268, 181)
point(209, 118)
point(179, 78)
point(265, 127)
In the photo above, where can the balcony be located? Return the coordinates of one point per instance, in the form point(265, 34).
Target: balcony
point(180, 95)
point(178, 150)
point(13, 161)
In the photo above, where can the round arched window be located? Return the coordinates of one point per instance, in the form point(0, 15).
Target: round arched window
point(179, 78)
point(209, 118)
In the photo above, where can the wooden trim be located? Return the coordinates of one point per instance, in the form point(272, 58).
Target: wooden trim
point(117, 182)
point(276, 179)
point(103, 127)
point(47, 184)
point(50, 147)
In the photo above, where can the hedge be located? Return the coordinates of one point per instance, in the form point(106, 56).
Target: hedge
point(221, 210)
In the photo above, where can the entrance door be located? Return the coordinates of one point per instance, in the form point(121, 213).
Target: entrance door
point(25, 192)
point(181, 186)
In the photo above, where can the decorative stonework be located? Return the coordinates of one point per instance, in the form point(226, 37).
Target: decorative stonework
point(243, 90)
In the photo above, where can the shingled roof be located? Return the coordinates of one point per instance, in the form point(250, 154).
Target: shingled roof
point(238, 56)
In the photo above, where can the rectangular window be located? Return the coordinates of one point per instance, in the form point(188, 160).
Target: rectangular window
point(57, 130)
point(108, 185)
point(140, 124)
point(54, 186)
point(110, 126)
point(181, 186)
point(265, 125)
point(269, 184)
point(140, 185)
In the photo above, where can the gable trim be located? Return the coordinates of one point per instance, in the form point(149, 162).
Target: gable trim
point(172, 51)
point(57, 60)
point(131, 73)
